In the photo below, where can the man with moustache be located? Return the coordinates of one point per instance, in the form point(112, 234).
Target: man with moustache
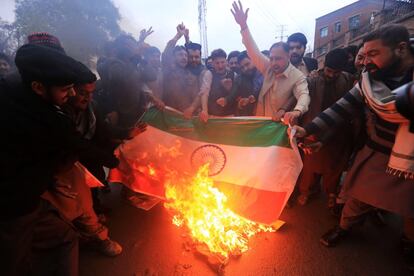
point(381, 175)
point(204, 79)
point(221, 84)
point(152, 57)
point(297, 47)
point(247, 86)
point(5, 64)
point(122, 82)
point(181, 87)
point(359, 61)
point(281, 79)
point(232, 61)
point(39, 142)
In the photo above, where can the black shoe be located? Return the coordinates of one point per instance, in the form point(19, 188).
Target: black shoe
point(106, 189)
point(408, 253)
point(333, 236)
point(337, 210)
point(378, 218)
point(409, 258)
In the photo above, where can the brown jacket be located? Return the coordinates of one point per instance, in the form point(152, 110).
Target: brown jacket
point(338, 145)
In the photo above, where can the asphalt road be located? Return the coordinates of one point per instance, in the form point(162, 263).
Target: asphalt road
point(153, 246)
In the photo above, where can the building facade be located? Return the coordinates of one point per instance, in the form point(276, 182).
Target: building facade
point(348, 25)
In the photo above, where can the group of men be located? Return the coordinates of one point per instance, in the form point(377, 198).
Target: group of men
point(58, 118)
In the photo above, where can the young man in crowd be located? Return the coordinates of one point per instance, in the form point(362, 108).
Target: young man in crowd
point(5, 64)
point(221, 84)
point(331, 155)
point(297, 46)
point(122, 82)
point(194, 59)
point(351, 51)
point(75, 202)
point(181, 86)
point(246, 87)
point(209, 63)
point(359, 61)
point(381, 175)
point(40, 143)
point(80, 208)
point(281, 79)
point(233, 62)
point(152, 56)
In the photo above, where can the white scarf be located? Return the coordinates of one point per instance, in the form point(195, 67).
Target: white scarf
point(382, 100)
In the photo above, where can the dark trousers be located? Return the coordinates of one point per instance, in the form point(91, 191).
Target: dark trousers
point(39, 243)
point(355, 211)
point(309, 178)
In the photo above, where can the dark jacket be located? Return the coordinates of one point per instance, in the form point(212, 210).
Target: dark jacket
point(338, 145)
point(311, 63)
point(180, 85)
point(100, 134)
point(38, 141)
point(218, 91)
point(120, 89)
point(245, 86)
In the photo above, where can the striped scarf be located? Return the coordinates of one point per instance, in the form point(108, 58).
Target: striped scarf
point(382, 101)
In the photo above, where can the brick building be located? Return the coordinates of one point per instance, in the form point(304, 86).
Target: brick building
point(347, 25)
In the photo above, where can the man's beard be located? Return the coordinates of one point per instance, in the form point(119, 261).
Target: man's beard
point(296, 59)
point(194, 65)
point(235, 69)
point(329, 79)
point(386, 72)
point(249, 72)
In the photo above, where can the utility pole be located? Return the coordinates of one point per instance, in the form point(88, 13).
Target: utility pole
point(202, 25)
point(282, 29)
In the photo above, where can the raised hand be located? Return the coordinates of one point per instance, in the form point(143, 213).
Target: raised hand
point(144, 34)
point(187, 35)
point(180, 30)
point(239, 15)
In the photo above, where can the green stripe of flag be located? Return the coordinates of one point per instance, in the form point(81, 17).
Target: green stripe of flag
point(243, 132)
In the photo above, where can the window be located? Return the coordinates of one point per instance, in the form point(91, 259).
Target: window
point(324, 32)
point(338, 27)
point(354, 22)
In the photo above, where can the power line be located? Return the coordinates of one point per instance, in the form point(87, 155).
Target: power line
point(265, 16)
point(281, 29)
point(269, 14)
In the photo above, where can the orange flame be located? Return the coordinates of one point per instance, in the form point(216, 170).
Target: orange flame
point(202, 208)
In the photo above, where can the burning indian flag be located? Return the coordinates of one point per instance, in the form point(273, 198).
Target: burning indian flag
point(242, 169)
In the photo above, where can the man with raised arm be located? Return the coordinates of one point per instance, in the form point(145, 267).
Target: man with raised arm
point(181, 87)
point(281, 78)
